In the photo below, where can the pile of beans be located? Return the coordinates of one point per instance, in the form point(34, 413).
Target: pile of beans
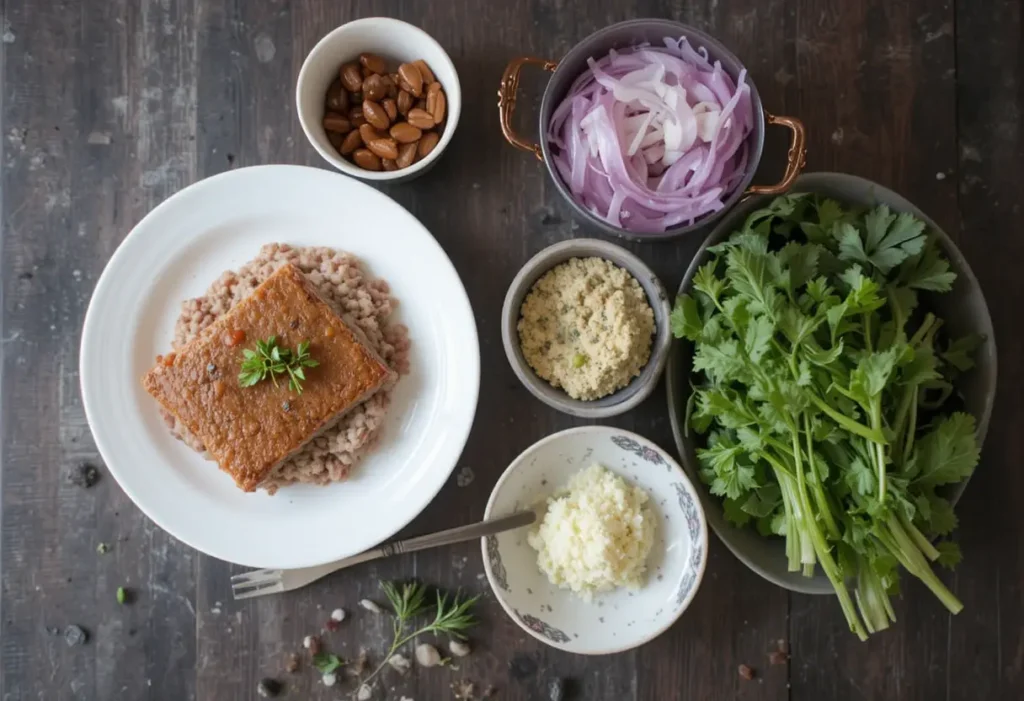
point(384, 121)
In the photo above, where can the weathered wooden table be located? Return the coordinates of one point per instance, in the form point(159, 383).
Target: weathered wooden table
point(110, 107)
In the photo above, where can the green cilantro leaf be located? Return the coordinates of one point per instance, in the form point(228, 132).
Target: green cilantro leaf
point(927, 271)
point(949, 554)
point(326, 663)
point(887, 240)
point(685, 319)
point(958, 353)
point(734, 512)
point(948, 453)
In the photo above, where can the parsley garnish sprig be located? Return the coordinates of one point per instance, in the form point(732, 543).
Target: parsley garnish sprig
point(821, 387)
point(271, 360)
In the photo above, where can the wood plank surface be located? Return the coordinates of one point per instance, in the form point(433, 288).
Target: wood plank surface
point(108, 108)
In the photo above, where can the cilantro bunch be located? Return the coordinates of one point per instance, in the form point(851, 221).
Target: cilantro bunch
point(825, 390)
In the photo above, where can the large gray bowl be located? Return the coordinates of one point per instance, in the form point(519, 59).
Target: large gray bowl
point(963, 310)
point(636, 391)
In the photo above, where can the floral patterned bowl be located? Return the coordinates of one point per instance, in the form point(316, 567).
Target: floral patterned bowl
point(617, 620)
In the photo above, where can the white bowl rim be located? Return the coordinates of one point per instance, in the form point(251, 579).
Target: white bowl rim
point(454, 106)
point(684, 478)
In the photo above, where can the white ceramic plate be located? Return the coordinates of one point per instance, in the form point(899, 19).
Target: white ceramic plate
point(175, 253)
point(617, 620)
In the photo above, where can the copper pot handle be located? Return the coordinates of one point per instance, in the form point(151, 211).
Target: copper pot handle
point(796, 158)
point(507, 100)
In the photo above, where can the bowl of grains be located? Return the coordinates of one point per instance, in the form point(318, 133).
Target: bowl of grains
point(585, 327)
point(379, 99)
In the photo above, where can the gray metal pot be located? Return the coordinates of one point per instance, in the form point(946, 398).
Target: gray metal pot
point(623, 35)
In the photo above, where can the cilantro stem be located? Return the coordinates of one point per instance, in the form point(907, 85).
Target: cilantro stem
point(903, 548)
point(908, 448)
point(877, 449)
point(926, 326)
point(819, 494)
point(868, 343)
point(923, 544)
point(846, 422)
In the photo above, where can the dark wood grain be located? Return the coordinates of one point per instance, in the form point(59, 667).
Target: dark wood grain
point(876, 81)
point(988, 637)
point(108, 108)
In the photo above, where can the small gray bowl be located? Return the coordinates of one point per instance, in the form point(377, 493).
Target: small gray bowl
point(963, 310)
point(636, 391)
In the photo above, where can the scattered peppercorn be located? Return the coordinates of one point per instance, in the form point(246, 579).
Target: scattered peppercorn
point(268, 688)
point(84, 475)
point(331, 625)
point(286, 405)
point(746, 672)
point(75, 635)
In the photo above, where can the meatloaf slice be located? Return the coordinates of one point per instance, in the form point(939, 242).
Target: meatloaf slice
point(250, 431)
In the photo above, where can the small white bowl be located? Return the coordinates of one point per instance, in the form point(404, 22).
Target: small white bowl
point(617, 620)
point(395, 41)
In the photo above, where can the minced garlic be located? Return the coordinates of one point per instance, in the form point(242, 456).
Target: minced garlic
point(597, 536)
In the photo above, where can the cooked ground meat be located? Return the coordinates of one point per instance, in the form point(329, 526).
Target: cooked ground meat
point(363, 301)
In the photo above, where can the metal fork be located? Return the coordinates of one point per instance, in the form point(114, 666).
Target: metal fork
point(269, 581)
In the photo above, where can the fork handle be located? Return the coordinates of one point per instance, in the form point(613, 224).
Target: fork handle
point(481, 529)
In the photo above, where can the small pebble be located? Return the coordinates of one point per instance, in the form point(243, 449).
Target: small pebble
point(364, 693)
point(75, 635)
point(53, 630)
point(746, 672)
point(312, 643)
point(458, 648)
point(400, 663)
point(85, 475)
point(268, 688)
point(427, 655)
point(329, 679)
point(291, 663)
point(370, 606)
point(556, 690)
point(940, 176)
point(338, 615)
point(463, 690)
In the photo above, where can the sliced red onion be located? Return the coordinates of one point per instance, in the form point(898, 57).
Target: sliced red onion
point(652, 137)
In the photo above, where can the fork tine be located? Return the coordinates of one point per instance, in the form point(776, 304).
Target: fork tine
point(247, 591)
point(256, 576)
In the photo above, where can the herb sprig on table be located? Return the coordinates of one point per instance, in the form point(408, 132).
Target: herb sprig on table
point(452, 616)
point(821, 385)
point(270, 360)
